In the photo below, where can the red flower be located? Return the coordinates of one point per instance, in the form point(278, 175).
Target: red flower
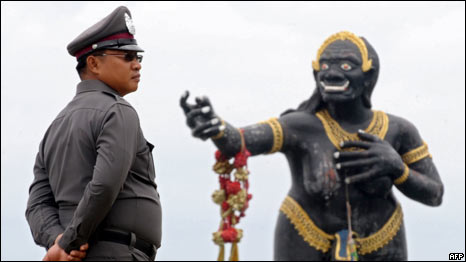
point(233, 187)
point(219, 156)
point(225, 206)
point(241, 159)
point(229, 235)
point(226, 224)
point(223, 181)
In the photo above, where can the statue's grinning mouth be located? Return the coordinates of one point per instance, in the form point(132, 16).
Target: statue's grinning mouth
point(329, 88)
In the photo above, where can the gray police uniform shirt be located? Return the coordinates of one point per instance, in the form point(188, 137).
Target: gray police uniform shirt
point(94, 170)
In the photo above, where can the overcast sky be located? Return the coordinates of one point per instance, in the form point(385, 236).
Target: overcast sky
point(253, 60)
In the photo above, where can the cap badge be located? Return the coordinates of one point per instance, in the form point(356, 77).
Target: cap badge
point(129, 24)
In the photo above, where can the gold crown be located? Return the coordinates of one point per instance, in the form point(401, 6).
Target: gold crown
point(345, 35)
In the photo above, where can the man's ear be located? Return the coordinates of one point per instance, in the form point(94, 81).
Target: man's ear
point(93, 64)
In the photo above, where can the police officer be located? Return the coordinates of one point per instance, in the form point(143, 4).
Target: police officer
point(94, 173)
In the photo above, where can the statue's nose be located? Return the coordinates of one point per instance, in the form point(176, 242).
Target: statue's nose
point(333, 76)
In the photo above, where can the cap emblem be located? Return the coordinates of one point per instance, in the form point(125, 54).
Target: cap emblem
point(129, 24)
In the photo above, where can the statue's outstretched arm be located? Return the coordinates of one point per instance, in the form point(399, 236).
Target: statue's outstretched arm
point(264, 137)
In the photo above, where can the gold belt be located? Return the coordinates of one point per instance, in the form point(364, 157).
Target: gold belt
point(320, 240)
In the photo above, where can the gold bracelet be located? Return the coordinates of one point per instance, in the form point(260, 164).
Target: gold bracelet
point(219, 135)
point(243, 142)
point(403, 177)
point(277, 134)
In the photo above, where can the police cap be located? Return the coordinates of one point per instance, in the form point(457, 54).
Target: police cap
point(116, 31)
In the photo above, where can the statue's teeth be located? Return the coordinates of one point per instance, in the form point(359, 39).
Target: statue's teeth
point(335, 88)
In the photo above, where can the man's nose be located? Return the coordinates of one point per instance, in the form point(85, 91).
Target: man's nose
point(136, 65)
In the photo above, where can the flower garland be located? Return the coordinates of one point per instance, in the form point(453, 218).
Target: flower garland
point(233, 199)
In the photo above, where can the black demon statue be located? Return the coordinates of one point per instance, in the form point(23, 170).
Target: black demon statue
point(344, 159)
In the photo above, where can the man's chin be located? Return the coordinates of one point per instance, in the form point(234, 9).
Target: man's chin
point(133, 88)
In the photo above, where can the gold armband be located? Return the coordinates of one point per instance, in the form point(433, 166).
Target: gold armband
point(219, 135)
point(277, 134)
point(403, 177)
point(416, 154)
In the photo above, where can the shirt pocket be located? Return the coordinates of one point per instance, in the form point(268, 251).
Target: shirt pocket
point(144, 164)
point(151, 168)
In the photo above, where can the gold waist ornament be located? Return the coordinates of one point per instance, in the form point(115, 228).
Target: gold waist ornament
point(320, 240)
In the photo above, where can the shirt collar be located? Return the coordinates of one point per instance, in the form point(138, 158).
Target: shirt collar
point(94, 85)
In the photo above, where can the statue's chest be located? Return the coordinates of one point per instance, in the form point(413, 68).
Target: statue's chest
point(320, 177)
point(314, 156)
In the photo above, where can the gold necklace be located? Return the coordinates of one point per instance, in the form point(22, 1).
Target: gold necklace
point(336, 134)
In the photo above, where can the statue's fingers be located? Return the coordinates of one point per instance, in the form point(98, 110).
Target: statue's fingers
point(206, 101)
point(198, 111)
point(203, 101)
point(344, 156)
point(201, 128)
point(356, 163)
point(190, 117)
point(362, 177)
point(183, 103)
point(368, 137)
point(360, 144)
point(213, 131)
point(194, 113)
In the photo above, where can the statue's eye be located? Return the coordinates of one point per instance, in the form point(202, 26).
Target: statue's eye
point(324, 66)
point(345, 67)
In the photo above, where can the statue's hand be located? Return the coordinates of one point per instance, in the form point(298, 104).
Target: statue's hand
point(378, 155)
point(201, 118)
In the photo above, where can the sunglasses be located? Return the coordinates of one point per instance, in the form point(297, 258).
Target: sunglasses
point(128, 57)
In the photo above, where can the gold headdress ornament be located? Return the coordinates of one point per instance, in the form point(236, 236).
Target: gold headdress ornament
point(345, 35)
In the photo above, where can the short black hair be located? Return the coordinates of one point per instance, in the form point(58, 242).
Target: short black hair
point(81, 64)
point(82, 60)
